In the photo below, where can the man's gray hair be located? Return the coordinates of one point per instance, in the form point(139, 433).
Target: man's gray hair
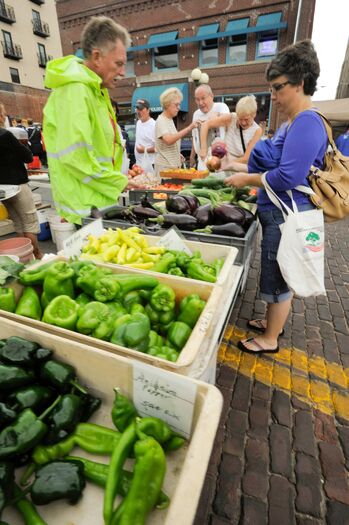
point(207, 89)
point(101, 32)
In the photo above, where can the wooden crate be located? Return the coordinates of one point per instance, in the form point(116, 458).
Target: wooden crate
point(199, 341)
point(184, 174)
point(102, 371)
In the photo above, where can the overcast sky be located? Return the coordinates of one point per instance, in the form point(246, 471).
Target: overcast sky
point(330, 37)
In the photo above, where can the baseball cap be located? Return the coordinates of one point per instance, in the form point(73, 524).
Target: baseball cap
point(142, 103)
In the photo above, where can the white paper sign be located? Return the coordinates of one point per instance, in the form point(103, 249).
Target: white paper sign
point(165, 395)
point(72, 246)
point(172, 241)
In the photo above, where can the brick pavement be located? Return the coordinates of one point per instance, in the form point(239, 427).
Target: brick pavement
point(281, 454)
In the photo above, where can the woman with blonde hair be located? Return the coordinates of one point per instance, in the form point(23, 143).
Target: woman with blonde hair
point(167, 138)
point(242, 132)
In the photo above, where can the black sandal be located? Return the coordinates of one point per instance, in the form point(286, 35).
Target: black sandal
point(259, 326)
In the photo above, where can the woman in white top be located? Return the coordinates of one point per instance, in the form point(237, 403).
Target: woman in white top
point(242, 132)
point(167, 138)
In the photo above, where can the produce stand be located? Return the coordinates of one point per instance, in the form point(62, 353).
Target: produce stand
point(101, 372)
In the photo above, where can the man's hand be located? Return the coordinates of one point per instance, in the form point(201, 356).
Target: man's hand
point(140, 148)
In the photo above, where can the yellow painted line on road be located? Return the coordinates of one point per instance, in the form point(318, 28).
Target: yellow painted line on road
point(321, 384)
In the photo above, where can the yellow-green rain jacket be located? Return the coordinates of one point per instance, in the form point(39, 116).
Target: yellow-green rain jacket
point(84, 153)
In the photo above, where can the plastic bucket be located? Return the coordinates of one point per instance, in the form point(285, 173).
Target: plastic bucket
point(20, 246)
point(61, 231)
point(53, 219)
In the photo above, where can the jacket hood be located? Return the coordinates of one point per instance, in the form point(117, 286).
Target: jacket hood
point(61, 71)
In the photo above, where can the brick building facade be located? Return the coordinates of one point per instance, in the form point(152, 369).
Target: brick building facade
point(169, 40)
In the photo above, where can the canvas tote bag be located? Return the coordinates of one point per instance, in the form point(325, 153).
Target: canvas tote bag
point(301, 251)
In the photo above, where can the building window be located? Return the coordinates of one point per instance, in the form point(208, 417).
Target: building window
point(165, 50)
point(165, 57)
point(267, 44)
point(42, 57)
point(8, 44)
point(237, 49)
point(36, 17)
point(208, 46)
point(130, 70)
point(15, 75)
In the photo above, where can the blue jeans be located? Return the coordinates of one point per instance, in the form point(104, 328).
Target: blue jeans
point(273, 287)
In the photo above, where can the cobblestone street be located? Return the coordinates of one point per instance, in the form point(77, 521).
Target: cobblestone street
point(281, 455)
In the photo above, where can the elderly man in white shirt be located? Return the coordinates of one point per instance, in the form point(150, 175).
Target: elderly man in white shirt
point(145, 133)
point(207, 109)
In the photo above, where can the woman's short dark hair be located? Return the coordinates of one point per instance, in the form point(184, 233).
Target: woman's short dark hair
point(298, 62)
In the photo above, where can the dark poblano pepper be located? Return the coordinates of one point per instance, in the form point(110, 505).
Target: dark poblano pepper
point(18, 351)
point(22, 435)
point(7, 480)
point(36, 397)
point(13, 377)
point(58, 480)
point(7, 415)
point(65, 416)
point(59, 375)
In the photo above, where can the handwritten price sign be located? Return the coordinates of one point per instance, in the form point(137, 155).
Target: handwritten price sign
point(165, 395)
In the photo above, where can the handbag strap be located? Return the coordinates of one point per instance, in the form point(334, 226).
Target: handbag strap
point(275, 199)
point(242, 139)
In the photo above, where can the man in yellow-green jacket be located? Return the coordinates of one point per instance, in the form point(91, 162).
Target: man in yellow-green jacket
point(81, 136)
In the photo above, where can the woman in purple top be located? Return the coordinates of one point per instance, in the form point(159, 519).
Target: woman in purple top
point(300, 143)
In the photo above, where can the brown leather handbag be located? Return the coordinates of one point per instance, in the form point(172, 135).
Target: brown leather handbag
point(331, 183)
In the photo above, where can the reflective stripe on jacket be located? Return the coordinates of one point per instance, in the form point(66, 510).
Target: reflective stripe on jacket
point(84, 161)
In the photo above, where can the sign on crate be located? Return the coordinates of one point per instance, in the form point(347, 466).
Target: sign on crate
point(172, 240)
point(170, 397)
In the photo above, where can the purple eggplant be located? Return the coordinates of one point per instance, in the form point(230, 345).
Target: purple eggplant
point(193, 202)
point(249, 218)
point(203, 214)
point(177, 204)
point(230, 229)
point(182, 220)
point(226, 213)
point(145, 213)
point(145, 202)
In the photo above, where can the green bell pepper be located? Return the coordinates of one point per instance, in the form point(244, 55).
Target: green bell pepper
point(95, 319)
point(176, 271)
point(116, 309)
point(98, 283)
point(190, 309)
point(82, 299)
point(163, 352)
point(160, 320)
point(131, 298)
point(163, 298)
point(7, 299)
point(155, 339)
point(29, 304)
point(62, 311)
point(58, 480)
point(178, 334)
point(58, 281)
point(132, 331)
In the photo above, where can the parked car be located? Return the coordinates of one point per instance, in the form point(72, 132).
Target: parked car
point(131, 131)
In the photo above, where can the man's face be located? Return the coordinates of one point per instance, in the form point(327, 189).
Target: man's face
point(111, 64)
point(143, 114)
point(203, 100)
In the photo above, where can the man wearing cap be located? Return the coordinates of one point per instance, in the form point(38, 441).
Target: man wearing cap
point(145, 133)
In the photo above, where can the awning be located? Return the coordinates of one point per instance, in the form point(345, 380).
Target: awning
point(152, 93)
point(337, 111)
point(269, 22)
point(272, 19)
point(208, 30)
point(165, 39)
point(237, 25)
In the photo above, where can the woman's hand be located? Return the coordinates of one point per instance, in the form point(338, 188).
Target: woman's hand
point(203, 153)
point(238, 180)
point(140, 148)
